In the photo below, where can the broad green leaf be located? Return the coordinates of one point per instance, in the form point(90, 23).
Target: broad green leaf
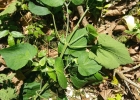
point(16, 34)
point(42, 61)
point(53, 3)
point(110, 52)
point(78, 83)
point(8, 94)
point(77, 2)
point(59, 68)
point(92, 30)
point(38, 10)
point(11, 41)
point(17, 56)
point(11, 8)
point(4, 33)
point(87, 66)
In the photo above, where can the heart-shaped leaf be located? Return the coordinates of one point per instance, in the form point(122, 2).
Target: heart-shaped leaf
point(17, 56)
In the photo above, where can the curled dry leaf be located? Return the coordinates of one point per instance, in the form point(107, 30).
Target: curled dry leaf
point(117, 11)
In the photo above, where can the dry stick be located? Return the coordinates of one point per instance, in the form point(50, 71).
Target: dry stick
point(81, 12)
point(133, 68)
point(121, 75)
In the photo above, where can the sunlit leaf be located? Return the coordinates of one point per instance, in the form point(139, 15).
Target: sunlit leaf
point(16, 34)
point(17, 56)
point(110, 53)
point(4, 33)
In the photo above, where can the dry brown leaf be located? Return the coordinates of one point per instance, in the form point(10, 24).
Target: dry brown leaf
point(105, 94)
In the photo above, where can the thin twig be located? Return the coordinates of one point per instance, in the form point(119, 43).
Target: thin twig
point(133, 68)
point(121, 75)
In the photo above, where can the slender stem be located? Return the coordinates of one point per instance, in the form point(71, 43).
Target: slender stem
point(55, 26)
point(67, 16)
point(75, 28)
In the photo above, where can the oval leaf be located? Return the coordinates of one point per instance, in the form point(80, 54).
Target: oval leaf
point(16, 34)
point(4, 33)
point(59, 68)
point(38, 10)
point(77, 2)
point(53, 3)
point(17, 56)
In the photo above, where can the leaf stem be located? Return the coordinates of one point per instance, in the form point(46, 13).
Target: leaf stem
point(55, 26)
point(75, 28)
point(67, 16)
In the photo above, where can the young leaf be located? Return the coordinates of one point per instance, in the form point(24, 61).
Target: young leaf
point(4, 33)
point(59, 68)
point(111, 53)
point(87, 66)
point(17, 56)
point(77, 2)
point(11, 41)
point(38, 10)
point(16, 34)
point(92, 30)
point(53, 3)
point(42, 61)
point(11, 8)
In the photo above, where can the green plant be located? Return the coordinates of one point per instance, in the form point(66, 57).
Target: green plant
point(81, 53)
point(11, 36)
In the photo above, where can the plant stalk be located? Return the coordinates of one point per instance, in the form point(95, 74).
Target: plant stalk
point(55, 26)
point(75, 28)
point(67, 16)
